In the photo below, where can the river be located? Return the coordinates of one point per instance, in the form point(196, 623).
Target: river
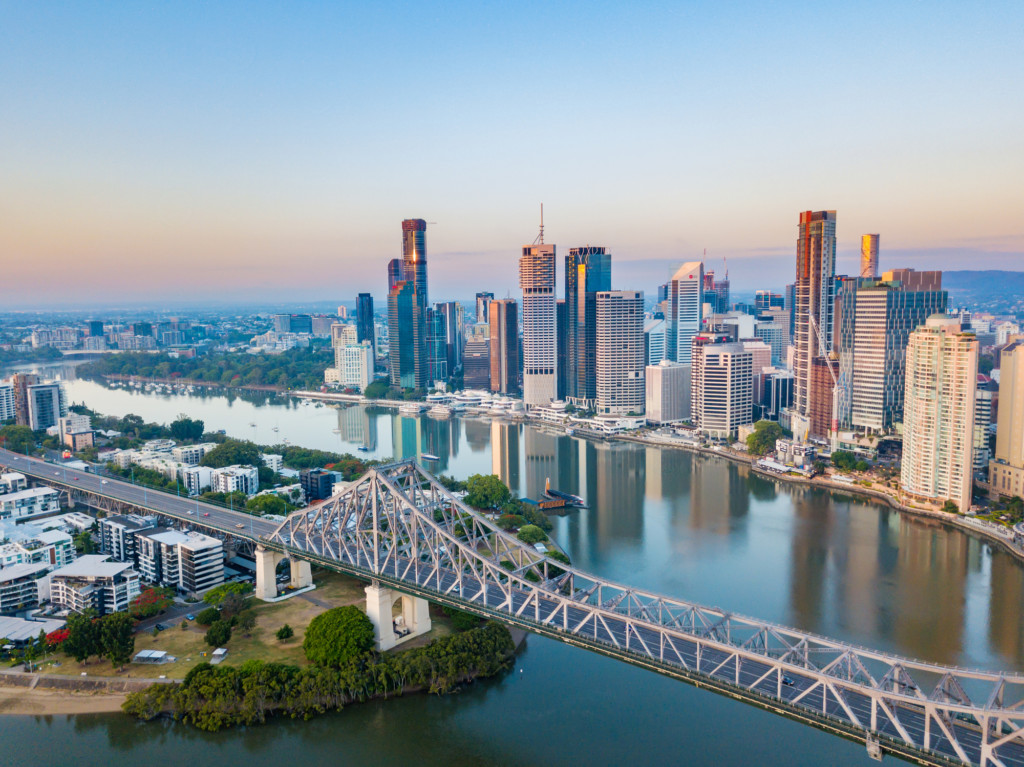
point(697, 527)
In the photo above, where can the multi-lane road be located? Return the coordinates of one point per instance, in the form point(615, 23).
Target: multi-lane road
point(188, 510)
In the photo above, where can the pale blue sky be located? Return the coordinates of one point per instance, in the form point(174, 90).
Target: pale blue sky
point(273, 149)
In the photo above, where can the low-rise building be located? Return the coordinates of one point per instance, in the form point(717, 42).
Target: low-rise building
point(317, 484)
point(32, 502)
point(196, 479)
point(94, 582)
point(191, 562)
point(12, 482)
point(191, 455)
point(273, 461)
point(792, 453)
point(30, 544)
point(23, 587)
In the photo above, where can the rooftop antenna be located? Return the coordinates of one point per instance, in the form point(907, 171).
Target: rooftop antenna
point(540, 237)
point(726, 262)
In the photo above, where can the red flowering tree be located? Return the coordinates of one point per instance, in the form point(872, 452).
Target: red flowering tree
point(150, 602)
point(56, 638)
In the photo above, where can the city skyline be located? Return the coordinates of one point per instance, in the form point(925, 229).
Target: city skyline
point(271, 145)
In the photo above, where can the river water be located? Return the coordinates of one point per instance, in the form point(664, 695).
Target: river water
point(696, 527)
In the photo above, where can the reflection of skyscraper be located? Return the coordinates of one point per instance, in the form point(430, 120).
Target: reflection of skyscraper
point(437, 440)
point(1005, 631)
point(406, 436)
point(540, 450)
point(478, 434)
point(357, 426)
point(505, 453)
point(619, 496)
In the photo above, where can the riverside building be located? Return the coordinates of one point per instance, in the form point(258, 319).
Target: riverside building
point(620, 352)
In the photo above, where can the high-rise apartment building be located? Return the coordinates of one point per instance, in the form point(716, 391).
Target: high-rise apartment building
point(685, 310)
point(540, 337)
point(454, 332)
point(561, 345)
point(938, 413)
point(874, 325)
point(1006, 470)
point(620, 352)
point(364, 320)
point(7, 411)
point(716, 293)
point(722, 386)
point(814, 296)
point(46, 405)
point(407, 310)
point(869, 256)
point(437, 344)
point(95, 328)
point(588, 270)
point(504, 345)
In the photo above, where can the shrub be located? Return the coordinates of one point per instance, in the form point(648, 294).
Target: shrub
point(218, 634)
point(337, 636)
point(285, 633)
point(208, 616)
point(531, 534)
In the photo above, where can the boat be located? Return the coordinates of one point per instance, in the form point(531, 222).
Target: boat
point(429, 457)
point(336, 431)
point(440, 411)
point(567, 498)
point(363, 449)
point(412, 408)
point(275, 429)
point(253, 425)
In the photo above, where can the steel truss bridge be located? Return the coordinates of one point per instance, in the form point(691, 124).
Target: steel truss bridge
point(398, 525)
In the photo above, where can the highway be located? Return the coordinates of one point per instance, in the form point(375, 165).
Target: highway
point(189, 510)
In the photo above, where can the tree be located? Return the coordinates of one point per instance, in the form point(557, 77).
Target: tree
point(531, 534)
point(118, 637)
point(267, 504)
point(285, 633)
point(844, 460)
point(84, 543)
point(20, 439)
point(185, 428)
point(762, 441)
point(247, 621)
point(377, 389)
point(150, 602)
point(950, 507)
point(217, 594)
point(461, 621)
point(83, 637)
point(208, 616)
point(338, 635)
point(232, 452)
point(218, 634)
point(486, 492)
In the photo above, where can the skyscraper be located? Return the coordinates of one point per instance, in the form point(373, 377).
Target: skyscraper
point(884, 313)
point(504, 346)
point(587, 271)
point(869, 256)
point(394, 272)
point(685, 310)
point(364, 320)
point(812, 327)
point(407, 303)
point(620, 387)
point(1006, 470)
point(540, 339)
point(938, 413)
point(483, 300)
point(455, 332)
point(723, 386)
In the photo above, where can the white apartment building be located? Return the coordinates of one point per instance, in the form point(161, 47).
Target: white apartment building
point(191, 455)
point(540, 342)
point(654, 339)
point(938, 412)
point(275, 462)
point(668, 392)
point(620, 352)
point(92, 581)
point(722, 387)
point(46, 405)
point(196, 479)
point(30, 544)
point(23, 587)
point(354, 364)
point(235, 478)
point(982, 422)
point(7, 411)
point(190, 562)
point(1006, 470)
point(33, 502)
point(12, 482)
point(119, 535)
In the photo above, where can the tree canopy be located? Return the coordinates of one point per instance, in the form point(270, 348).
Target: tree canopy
point(232, 452)
point(762, 441)
point(486, 491)
point(267, 504)
point(185, 428)
point(531, 534)
point(338, 635)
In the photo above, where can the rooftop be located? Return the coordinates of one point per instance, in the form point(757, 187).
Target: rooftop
point(92, 566)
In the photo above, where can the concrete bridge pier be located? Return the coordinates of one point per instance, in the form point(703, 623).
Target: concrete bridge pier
point(266, 573)
point(391, 626)
point(302, 574)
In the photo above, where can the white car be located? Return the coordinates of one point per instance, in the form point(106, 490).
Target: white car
point(103, 481)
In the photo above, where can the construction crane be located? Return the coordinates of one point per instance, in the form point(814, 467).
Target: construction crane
point(829, 356)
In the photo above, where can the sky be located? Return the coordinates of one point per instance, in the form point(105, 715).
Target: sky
point(269, 151)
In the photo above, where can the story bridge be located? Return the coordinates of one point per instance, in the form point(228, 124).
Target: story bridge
point(399, 528)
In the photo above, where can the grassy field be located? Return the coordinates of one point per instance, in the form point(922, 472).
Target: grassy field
point(190, 648)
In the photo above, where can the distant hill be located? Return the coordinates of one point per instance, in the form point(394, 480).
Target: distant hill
point(991, 281)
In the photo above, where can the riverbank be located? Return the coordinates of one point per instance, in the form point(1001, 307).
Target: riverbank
point(266, 388)
point(50, 694)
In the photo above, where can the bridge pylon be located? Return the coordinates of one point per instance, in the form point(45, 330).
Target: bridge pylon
point(389, 628)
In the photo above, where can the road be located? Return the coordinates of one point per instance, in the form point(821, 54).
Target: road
point(188, 510)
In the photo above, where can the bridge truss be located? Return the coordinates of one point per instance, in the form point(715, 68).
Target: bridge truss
point(399, 525)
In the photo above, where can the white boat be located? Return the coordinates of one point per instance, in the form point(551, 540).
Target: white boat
point(412, 408)
point(440, 411)
point(429, 457)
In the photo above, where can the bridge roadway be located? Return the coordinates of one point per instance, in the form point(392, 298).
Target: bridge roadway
point(698, 662)
point(717, 664)
point(189, 510)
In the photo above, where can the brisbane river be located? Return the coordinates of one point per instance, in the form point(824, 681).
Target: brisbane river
point(691, 526)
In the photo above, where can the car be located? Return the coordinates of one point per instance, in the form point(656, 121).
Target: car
point(56, 473)
point(240, 526)
point(74, 478)
point(160, 627)
point(103, 481)
point(787, 681)
point(190, 512)
point(190, 617)
point(206, 513)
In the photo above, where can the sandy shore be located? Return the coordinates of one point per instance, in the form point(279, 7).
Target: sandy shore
point(21, 700)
